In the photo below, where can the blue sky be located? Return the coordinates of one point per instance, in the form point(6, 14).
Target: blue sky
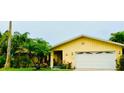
point(57, 31)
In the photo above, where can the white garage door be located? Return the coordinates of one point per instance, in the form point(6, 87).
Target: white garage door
point(96, 60)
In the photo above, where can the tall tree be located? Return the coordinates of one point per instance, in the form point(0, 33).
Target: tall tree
point(8, 57)
point(117, 37)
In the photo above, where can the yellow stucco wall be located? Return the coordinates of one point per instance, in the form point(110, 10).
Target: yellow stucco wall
point(85, 44)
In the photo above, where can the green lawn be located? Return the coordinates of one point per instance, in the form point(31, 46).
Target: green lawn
point(33, 69)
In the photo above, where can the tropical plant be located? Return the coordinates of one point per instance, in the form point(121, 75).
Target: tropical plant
point(25, 51)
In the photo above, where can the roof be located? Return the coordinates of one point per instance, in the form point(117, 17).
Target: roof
point(107, 41)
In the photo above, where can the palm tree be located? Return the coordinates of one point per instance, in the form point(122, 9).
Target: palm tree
point(18, 49)
point(8, 58)
point(3, 43)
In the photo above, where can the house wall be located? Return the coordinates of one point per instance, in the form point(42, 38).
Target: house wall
point(85, 44)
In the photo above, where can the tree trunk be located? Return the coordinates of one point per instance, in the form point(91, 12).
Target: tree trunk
point(8, 58)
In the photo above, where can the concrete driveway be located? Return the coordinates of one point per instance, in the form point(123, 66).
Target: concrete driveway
point(93, 69)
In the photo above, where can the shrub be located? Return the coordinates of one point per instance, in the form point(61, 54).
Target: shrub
point(22, 61)
point(65, 66)
point(44, 65)
point(2, 61)
point(120, 64)
point(37, 66)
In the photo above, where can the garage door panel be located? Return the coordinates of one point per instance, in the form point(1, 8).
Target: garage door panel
point(97, 61)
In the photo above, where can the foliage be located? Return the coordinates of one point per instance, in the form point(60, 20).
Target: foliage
point(2, 61)
point(117, 37)
point(24, 49)
point(120, 64)
point(65, 66)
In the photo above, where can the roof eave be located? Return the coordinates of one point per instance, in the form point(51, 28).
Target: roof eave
point(115, 43)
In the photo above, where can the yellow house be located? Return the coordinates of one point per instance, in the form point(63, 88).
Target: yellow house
point(85, 52)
